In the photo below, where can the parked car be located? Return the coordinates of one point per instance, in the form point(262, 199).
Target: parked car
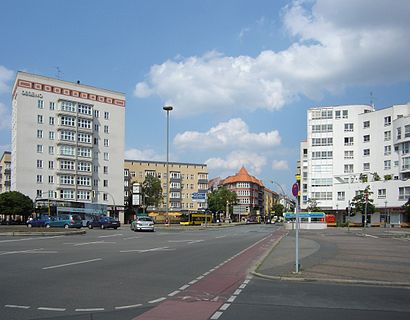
point(104, 222)
point(38, 222)
point(65, 221)
point(143, 223)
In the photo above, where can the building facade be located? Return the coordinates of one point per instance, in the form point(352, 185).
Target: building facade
point(349, 148)
point(185, 181)
point(250, 194)
point(5, 172)
point(67, 141)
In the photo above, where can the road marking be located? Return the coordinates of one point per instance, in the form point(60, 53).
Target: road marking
point(28, 239)
point(157, 300)
point(89, 309)
point(238, 291)
point(31, 251)
point(231, 299)
point(225, 306)
point(71, 264)
point(184, 287)
point(51, 309)
point(220, 237)
point(242, 286)
point(174, 293)
point(216, 315)
point(128, 307)
point(94, 242)
point(200, 277)
point(147, 250)
point(193, 281)
point(111, 235)
point(371, 236)
point(16, 306)
point(132, 238)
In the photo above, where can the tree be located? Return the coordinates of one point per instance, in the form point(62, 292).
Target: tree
point(406, 208)
point(278, 209)
point(217, 199)
point(312, 205)
point(359, 201)
point(15, 203)
point(152, 190)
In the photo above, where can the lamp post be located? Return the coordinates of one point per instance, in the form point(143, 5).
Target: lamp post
point(167, 109)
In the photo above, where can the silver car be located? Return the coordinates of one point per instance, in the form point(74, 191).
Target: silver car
point(142, 223)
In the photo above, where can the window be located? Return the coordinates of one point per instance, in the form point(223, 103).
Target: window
point(52, 105)
point(366, 152)
point(96, 127)
point(64, 179)
point(67, 121)
point(39, 119)
point(39, 178)
point(84, 123)
point(51, 164)
point(407, 131)
point(321, 195)
point(40, 104)
point(96, 113)
point(387, 135)
point(366, 124)
point(381, 193)
point(404, 193)
point(345, 114)
point(105, 169)
point(348, 127)
point(51, 150)
point(340, 195)
point(387, 120)
point(106, 129)
point(387, 164)
point(51, 121)
point(322, 142)
point(39, 148)
point(106, 156)
point(67, 135)
point(84, 138)
point(398, 133)
point(84, 152)
point(405, 148)
point(51, 135)
point(83, 181)
point(85, 109)
point(67, 165)
point(406, 164)
point(68, 106)
point(348, 141)
point(322, 155)
point(348, 154)
point(348, 168)
point(84, 166)
point(83, 195)
point(106, 115)
point(366, 166)
point(337, 114)
point(67, 194)
point(105, 183)
point(106, 144)
point(40, 134)
point(67, 150)
point(51, 179)
point(387, 150)
point(366, 138)
point(40, 164)
point(105, 196)
point(319, 128)
point(322, 182)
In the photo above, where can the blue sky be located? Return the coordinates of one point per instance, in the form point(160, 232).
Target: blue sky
point(239, 74)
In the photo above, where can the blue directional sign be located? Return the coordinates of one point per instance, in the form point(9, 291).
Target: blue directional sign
point(198, 197)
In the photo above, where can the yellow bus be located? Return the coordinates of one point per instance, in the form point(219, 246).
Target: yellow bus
point(195, 218)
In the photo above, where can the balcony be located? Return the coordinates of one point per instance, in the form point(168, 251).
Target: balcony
point(203, 181)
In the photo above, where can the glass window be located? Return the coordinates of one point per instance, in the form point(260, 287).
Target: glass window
point(40, 134)
point(398, 133)
point(387, 120)
point(387, 164)
point(348, 127)
point(40, 104)
point(366, 138)
point(366, 124)
point(387, 135)
point(39, 148)
point(366, 166)
point(366, 152)
point(52, 105)
point(39, 119)
point(387, 150)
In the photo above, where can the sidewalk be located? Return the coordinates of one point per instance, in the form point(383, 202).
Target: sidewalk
point(371, 256)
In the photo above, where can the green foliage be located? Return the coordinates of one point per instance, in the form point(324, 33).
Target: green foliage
point(152, 191)
point(278, 209)
point(363, 177)
point(406, 207)
point(387, 177)
point(14, 202)
point(376, 176)
point(359, 201)
point(217, 199)
point(312, 206)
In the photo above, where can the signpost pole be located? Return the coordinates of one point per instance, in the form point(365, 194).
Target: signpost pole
point(295, 192)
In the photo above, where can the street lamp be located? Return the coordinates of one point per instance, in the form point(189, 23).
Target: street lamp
point(167, 109)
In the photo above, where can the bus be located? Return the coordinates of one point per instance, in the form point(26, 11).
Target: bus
point(195, 219)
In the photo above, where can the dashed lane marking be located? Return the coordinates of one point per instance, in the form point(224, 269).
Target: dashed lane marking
point(111, 235)
point(173, 293)
point(147, 250)
point(216, 315)
point(157, 300)
point(128, 307)
point(31, 251)
point(16, 306)
point(71, 264)
point(51, 309)
point(90, 309)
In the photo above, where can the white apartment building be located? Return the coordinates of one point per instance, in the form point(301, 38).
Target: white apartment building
point(351, 147)
point(67, 141)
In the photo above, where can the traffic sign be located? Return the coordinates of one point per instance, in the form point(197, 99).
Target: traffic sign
point(295, 189)
point(198, 197)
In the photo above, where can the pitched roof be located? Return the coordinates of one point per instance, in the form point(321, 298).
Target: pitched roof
point(242, 176)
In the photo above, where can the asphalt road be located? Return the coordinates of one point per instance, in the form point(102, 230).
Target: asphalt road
point(269, 299)
point(112, 274)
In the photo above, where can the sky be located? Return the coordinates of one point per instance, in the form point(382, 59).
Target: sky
point(240, 74)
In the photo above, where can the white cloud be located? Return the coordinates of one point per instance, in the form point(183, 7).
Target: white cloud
point(137, 154)
point(336, 44)
point(232, 134)
point(5, 117)
point(235, 160)
point(280, 165)
point(5, 76)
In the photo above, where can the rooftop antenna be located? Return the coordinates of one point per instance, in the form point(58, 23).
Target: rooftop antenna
point(58, 73)
point(371, 99)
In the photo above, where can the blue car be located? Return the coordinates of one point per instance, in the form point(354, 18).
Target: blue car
point(38, 222)
point(104, 222)
point(65, 221)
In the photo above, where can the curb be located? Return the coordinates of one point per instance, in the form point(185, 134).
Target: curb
point(43, 234)
point(340, 281)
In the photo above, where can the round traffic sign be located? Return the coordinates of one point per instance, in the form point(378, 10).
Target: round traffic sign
point(295, 189)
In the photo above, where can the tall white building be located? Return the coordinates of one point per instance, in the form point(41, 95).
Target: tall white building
point(351, 147)
point(67, 141)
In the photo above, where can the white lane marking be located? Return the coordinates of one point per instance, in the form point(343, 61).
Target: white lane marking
point(132, 238)
point(242, 286)
point(111, 235)
point(28, 239)
point(16, 306)
point(147, 250)
point(193, 281)
point(216, 315)
point(93, 242)
point(206, 273)
point(157, 300)
point(231, 299)
point(71, 264)
point(51, 309)
point(30, 251)
point(220, 237)
point(371, 236)
point(174, 293)
point(225, 306)
point(200, 277)
point(128, 307)
point(184, 287)
point(89, 309)
point(238, 291)
point(247, 281)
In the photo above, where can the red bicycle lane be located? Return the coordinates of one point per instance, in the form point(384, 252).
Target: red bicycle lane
point(205, 295)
